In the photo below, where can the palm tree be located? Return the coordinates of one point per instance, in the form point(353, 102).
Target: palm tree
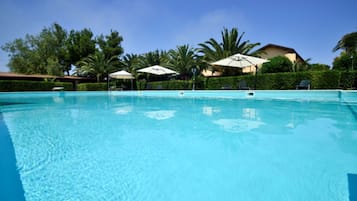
point(130, 62)
point(153, 58)
point(348, 43)
point(231, 44)
point(183, 59)
point(297, 67)
point(97, 65)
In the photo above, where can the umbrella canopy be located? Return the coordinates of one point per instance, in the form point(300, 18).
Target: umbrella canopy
point(239, 61)
point(157, 70)
point(121, 75)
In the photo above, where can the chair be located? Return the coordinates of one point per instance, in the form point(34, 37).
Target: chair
point(243, 85)
point(148, 86)
point(304, 84)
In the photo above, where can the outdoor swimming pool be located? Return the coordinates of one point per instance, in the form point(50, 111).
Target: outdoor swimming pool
point(181, 145)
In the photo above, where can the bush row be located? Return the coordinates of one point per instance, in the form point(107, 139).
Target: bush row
point(319, 80)
point(24, 85)
point(282, 81)
point(97, 86)
point(172, 85)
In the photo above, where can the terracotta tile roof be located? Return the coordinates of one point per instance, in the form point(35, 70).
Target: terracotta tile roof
point(287, 49)
point(10, 75)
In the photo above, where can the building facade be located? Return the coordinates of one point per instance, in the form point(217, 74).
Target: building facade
point(271, 50)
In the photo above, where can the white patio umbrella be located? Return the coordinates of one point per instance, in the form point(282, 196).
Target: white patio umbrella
point(157, 70)
point(123, 75)
point(241, 61)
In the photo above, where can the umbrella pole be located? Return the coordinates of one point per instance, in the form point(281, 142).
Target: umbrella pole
point(255, 77)
point(107, 82)
point(193, 78)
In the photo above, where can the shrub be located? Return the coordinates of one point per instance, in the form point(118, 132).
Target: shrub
point(24, 85)
point(319, 80)
point(179, 84)
point(348, 80)
point(328, 79)
point(318, 67)
point(277, 64)
point(344, 61)
point(289, 80)
point(97, 86)
point(167, 85)
point(219, 82)
point(325, 80)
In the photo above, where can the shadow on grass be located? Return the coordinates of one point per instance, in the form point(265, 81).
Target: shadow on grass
point(10, 182)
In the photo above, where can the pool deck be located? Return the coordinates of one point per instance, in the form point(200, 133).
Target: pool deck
point(349, 96)
point(303, 95)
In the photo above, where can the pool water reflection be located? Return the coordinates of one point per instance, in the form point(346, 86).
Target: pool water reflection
point(112, 147)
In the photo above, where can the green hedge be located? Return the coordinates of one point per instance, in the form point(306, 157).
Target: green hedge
point(212, 83)
point(169, 85)
point(319, 80)
point(274, 81)
point(97, 86)
point(24, 85)
point(348, 80)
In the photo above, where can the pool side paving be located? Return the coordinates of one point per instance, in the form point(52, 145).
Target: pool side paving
point(11, 188)
point(349, 96)
point(10, 183)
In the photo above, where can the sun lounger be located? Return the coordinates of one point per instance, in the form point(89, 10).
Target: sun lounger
point(57, 88)
point(304, 84)
point(243, 85)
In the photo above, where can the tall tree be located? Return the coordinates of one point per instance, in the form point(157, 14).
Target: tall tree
point(348, 43)
point(80, 44)
point(347, 58)
point(96, 65)
point(52, 48)
point(345, 61)
point(130, 63)
point(232, 43)
point(183, 59)
point(32, 54)
point(111, 44)
point(22, 56)
point(153, 58)
point(53, 51)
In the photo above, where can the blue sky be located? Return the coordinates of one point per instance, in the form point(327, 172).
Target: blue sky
point(311, 27)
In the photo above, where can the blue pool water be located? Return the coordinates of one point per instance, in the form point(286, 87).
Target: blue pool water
point(179, 146)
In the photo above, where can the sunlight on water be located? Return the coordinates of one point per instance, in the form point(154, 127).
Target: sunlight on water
point(141, 148)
